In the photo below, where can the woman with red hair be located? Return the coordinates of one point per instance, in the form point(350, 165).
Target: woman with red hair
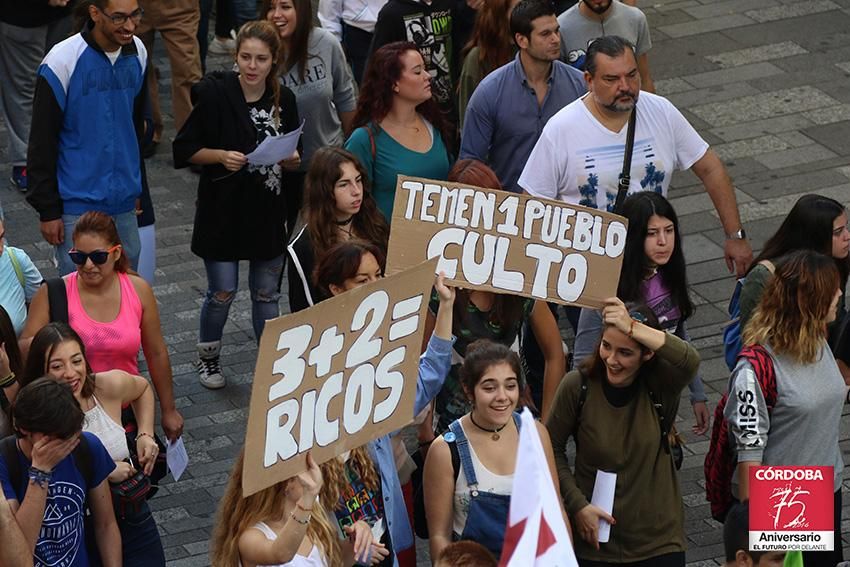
point(399, 128)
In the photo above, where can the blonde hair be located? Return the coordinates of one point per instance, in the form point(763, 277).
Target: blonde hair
point(336, 481)
point(791, 315)
point(237, 514)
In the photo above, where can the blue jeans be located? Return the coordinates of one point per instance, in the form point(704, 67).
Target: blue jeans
point(222, 282)
point(128, 232)
point(244, 11)
point(140, 542)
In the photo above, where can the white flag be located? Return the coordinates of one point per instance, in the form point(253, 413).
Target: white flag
point(536, 534)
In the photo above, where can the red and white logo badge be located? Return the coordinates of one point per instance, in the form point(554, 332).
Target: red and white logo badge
point(791, 508)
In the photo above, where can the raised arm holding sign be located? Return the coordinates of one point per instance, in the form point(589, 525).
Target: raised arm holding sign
point(507, 243)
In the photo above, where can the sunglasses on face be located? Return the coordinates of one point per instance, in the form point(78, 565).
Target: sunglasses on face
point(98, 257)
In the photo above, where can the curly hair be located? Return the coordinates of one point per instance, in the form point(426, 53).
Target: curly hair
point(792, 313)
point(491, 35)
point(336, 481)
point(237, 514)
point(320, 203)
point(377, 95)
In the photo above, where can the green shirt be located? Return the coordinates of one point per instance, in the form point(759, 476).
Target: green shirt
point(627, 441)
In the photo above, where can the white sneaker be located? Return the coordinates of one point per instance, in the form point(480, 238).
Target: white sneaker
point(220, 46)
point(209, 367)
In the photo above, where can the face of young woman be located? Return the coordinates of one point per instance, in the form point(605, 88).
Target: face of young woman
point(840, 237)
point(496, 395)
point(90, 272)
point(622, 357)
point(833, 307)
point(414, 84)
point(348, 191)
point(282, 14)
point(255, 60)
point(368, 272)
point(660, 240)
point(66, 364)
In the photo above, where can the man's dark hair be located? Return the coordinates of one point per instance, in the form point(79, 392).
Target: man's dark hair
point(526, 12)
point(610, 45)
point(736, 532)
point(49, 407)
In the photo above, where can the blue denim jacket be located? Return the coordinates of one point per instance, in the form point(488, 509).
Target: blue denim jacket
point(433, 367)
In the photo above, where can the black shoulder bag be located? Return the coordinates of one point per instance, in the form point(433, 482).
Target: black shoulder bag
point(625, 175)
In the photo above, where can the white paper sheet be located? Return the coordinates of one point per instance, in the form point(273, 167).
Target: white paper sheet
point(176, 458)
point(603, 496)
point(276, 148)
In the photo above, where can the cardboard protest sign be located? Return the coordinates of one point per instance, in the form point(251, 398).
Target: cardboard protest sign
point(507, 243)
point(335, 376)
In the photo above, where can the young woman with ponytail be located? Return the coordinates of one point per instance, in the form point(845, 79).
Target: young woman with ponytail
point(241, 208)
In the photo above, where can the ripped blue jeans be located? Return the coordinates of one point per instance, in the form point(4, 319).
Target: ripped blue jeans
point(264, 278)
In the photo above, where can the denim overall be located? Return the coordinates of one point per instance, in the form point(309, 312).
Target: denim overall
point(488, 513)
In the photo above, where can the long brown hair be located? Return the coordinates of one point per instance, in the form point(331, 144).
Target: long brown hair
point(320, 203)
point(791, 315)
point(336, 481)
point(376, 92)
point(296, 54)
point(237, 514)
point(341, 263)
point(491, 34)
point(266, 32)
point(43, 344)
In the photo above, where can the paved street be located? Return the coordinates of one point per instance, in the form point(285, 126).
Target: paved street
point(766, 82)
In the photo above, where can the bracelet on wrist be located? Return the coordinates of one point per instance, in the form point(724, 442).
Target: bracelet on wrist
point(8, 380)
point(40, 477)
point(143, 434)
point(631, 328)
point(303, 522)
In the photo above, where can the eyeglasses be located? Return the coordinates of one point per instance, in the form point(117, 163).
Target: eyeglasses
point(98, 257)
point(120, 19)
point(638, 316)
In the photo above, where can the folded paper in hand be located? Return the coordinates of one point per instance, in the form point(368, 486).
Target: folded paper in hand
point(276, 148)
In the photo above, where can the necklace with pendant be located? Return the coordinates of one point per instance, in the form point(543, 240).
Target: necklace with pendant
point(495, 432)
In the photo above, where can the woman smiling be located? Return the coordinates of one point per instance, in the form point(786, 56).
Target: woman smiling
point(617, 407)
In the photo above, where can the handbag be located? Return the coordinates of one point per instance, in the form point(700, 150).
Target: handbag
point(625, 175)
point(130, 494)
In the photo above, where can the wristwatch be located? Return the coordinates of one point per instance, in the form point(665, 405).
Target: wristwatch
point(739, 234)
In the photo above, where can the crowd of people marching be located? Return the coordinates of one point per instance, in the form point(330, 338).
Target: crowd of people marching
point(551, 99)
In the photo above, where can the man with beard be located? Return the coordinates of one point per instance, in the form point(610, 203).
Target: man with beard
point(579, 156)
point(508, 110)
point(590, 19)
point(88, 116)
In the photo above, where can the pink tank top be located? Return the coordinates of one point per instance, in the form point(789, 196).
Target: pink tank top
point(112, 345)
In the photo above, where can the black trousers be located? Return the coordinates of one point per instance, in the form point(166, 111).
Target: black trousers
point(676, 559)
point(356, 44)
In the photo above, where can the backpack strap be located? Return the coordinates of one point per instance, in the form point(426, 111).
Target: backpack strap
point(662, 422)
point(9, 452)
point(582, 395)
point(16, 264)
point(372, 146)
point(455, 459)
point(57, 299)
point(83, 461)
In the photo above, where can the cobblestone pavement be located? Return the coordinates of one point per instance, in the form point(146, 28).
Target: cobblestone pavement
point(766, 82)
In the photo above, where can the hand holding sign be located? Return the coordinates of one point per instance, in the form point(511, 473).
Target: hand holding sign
point(507, 243)
point(335, 376)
